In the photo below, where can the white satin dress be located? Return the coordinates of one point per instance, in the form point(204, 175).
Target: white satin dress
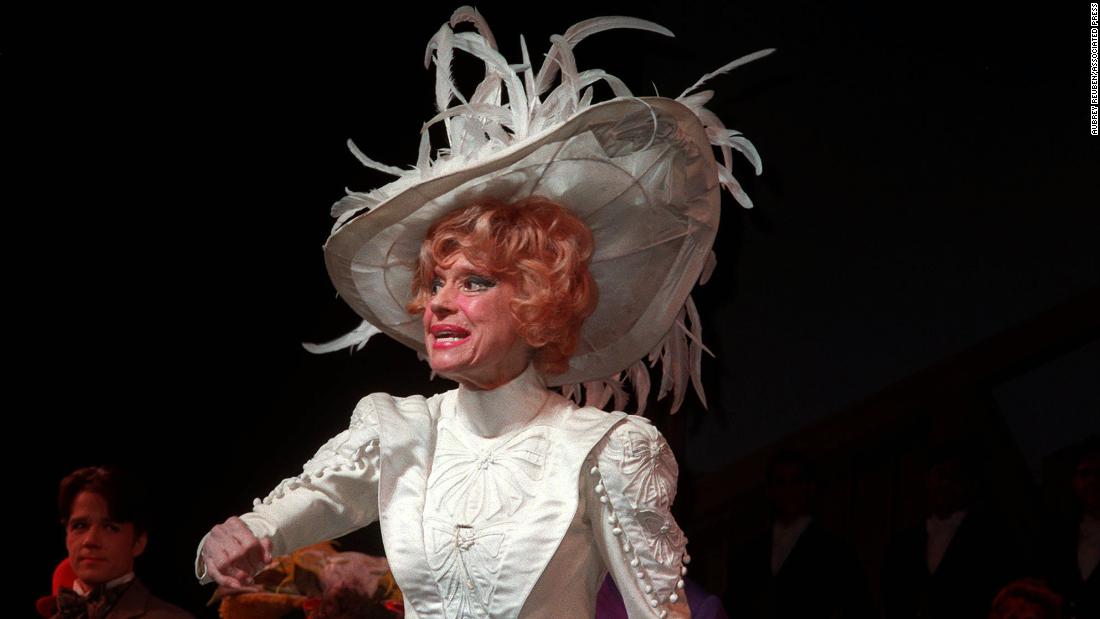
point(521, 524)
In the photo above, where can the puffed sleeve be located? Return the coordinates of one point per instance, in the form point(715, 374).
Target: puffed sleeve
point(336, 493)
point(630, 486)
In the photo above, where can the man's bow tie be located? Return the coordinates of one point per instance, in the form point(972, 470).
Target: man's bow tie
point(72, 605)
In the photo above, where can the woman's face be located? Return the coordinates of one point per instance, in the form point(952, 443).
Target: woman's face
point(469, 331)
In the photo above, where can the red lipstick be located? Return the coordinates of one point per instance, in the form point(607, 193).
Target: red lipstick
point(447, 336)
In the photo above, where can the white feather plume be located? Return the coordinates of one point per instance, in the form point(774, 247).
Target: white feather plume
point(726, 68)
point(708, 267)
point(639, 379)
point(528, 76)
point(495, 63)
point(469, 14)
point(741, 144)
point(696, 101)
point(562, 54)
point(353, 201)
point(580, 31)
point(354, 340)
point(591, 76)
point(443, 45)
point(370, 163)
point(424, 154)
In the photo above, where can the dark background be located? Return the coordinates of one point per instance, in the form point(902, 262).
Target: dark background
point(929, 181)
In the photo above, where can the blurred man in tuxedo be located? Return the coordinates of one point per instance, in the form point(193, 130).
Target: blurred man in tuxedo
point(797, 568)
point(105, 530)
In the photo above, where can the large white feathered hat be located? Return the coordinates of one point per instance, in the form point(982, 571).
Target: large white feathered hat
point(639, 171)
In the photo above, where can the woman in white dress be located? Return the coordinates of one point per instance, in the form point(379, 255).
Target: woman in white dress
point(553, 244)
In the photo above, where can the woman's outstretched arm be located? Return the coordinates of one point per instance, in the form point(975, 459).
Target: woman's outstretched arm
point(336, 494)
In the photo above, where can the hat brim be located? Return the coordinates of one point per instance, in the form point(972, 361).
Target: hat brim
point(638, 171)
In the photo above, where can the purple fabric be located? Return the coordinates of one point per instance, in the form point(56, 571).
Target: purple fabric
point(609, 602)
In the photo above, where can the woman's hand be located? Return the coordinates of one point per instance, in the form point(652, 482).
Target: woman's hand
point(233, 555)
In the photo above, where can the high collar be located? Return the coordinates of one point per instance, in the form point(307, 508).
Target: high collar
point(494, 412)
point(84, 590)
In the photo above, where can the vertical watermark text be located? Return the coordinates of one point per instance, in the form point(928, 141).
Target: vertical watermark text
point(1094, 82)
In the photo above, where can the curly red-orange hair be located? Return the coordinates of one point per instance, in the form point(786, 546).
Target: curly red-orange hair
point(540, 248)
